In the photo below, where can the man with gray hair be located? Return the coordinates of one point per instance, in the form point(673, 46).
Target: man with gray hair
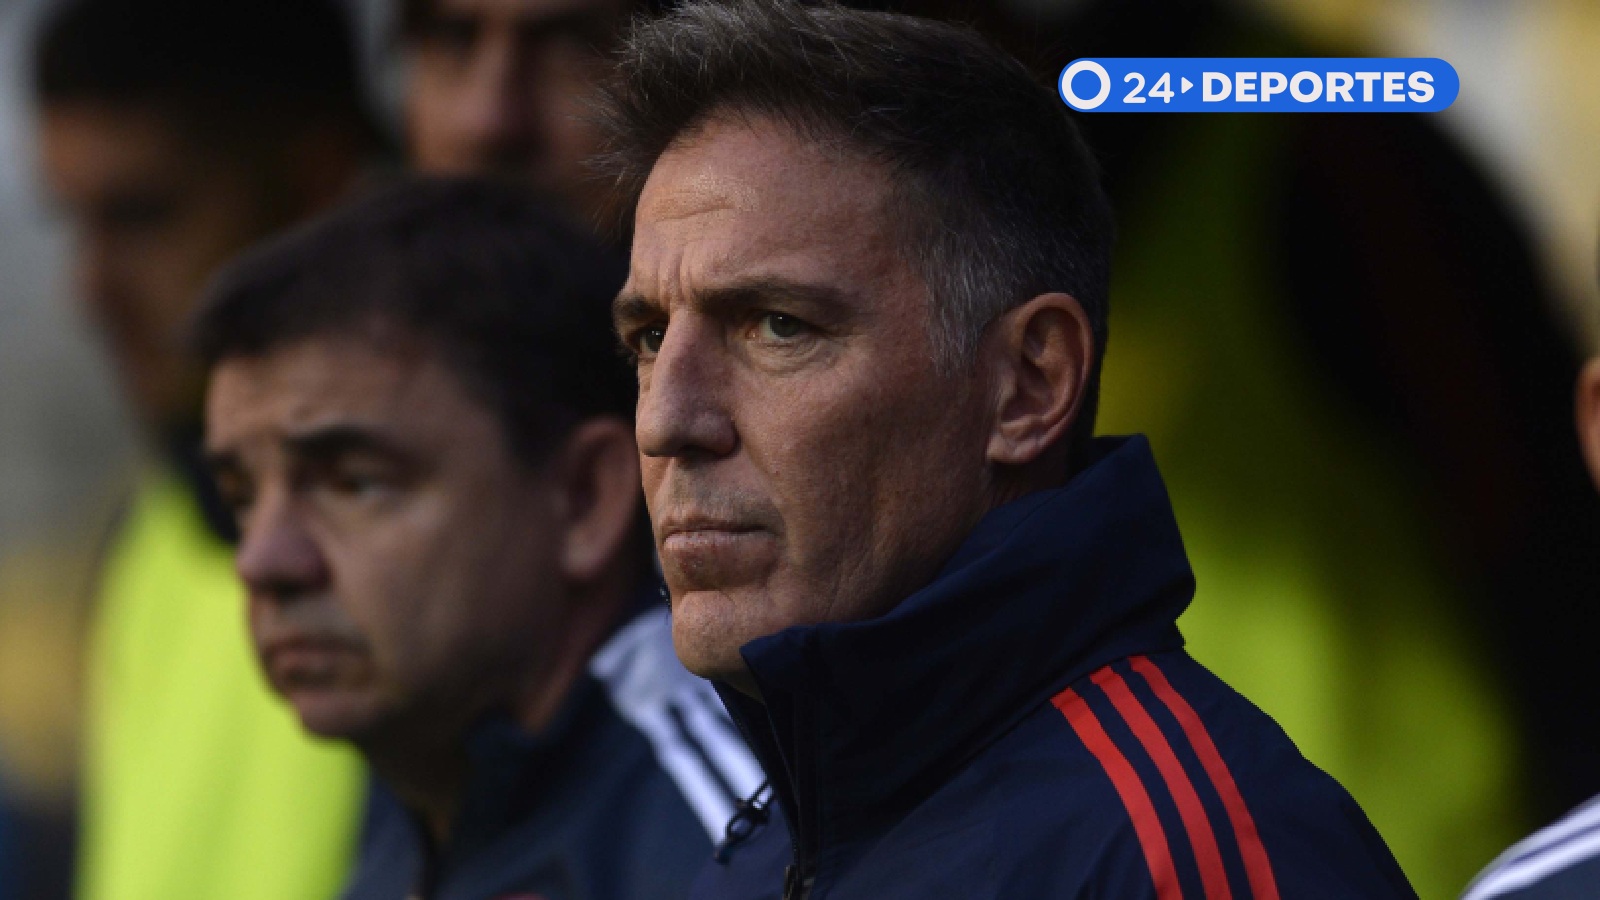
point(867, 303)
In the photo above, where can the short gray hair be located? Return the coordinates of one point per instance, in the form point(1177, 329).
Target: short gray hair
point(997, 198)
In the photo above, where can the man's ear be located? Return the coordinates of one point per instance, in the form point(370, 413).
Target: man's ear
point(1042, 353)
point(598, 477)
point(1588, 403)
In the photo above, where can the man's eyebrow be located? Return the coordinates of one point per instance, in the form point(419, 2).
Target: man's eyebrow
point(629, 308)
point(739, 294)
point(328, 442)
point(764, 289)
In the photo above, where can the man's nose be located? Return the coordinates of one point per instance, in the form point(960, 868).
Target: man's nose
point(100, 281)
point(683, 401)
point(495, 111)
point(278, 559)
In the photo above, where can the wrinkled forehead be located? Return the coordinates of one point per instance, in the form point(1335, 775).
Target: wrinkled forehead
point(738, 196)
point(345, 379)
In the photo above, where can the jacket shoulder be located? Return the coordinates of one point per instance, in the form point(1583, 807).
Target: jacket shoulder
point(1169, 781)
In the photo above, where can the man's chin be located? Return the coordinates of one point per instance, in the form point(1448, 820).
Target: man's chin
point(332, 715)
point(707, 635)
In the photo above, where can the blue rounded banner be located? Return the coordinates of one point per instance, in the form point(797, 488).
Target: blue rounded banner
point(1362, 84)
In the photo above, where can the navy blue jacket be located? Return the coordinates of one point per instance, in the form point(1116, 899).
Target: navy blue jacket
point(1028, 726)
point(621, 798)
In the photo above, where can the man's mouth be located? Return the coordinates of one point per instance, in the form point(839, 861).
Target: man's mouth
point(707, 531)
point(301, 663)
point(703, 554)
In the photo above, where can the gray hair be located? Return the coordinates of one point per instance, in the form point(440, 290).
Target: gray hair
point(995, 199)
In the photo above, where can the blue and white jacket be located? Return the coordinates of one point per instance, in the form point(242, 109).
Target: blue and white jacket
point(622, 798)
point(1028, 726)
point(1561, 862)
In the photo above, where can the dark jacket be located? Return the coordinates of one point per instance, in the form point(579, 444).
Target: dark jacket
point(621, 798)
point(1029, 726)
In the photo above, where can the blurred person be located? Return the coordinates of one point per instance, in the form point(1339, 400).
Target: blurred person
point(502, 86)
point(44, 589)
point(172, 134)
point(420, 422)
point(867, 300)
point(10, 882)
point(1562, 861)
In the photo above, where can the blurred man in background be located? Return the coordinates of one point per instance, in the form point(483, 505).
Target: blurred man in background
point(9, 883)
point(419, 419)
point(1562, 861)
point(502, 85)
point(172, 134)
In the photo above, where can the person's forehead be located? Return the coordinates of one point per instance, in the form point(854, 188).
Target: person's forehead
point(91, 141)
point(739, 192)
point(329, 380)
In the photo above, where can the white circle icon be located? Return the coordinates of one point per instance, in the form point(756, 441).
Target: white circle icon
point(1073, 100)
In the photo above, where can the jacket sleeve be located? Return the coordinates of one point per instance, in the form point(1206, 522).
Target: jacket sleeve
point(1320, 844)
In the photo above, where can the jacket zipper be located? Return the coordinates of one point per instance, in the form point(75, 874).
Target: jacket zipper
point(796, 886)
point(799, 877)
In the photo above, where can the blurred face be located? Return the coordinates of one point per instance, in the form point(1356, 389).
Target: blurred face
point(400, 563)
point(803, 460)
point(153, 215)
point(1588, 414)
point(499, 85)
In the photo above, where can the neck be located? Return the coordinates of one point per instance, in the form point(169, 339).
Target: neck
point(593, 613)
point(429, 782)
point(430, 775)
point(1015, 482)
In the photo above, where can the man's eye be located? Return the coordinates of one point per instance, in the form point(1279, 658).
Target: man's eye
point(234, 492)
point(779, 327)
point(238, 503)
point(358, 485)
point(138, 211)
point(354, 483)
point(650, 339)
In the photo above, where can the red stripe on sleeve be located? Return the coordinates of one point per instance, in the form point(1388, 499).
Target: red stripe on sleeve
point(1212, 875)
point(1257, 866)
point(1152, 839)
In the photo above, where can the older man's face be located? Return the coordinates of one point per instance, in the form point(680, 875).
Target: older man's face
point(803, 460)
point(400, 562)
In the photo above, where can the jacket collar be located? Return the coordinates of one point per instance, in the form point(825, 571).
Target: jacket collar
point(508, 767)
point(865, 719)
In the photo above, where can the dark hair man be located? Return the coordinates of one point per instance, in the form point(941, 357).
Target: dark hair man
point(1563, 859)
point(501, 86)
point(174, 133)
point(418, 417)
point(868, 303)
